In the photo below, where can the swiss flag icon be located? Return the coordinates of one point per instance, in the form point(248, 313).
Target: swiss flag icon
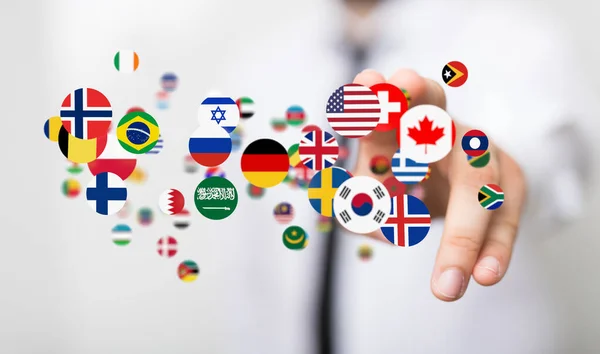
point(426, 134)
point(393, 105)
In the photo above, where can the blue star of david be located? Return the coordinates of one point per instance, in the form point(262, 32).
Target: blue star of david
point(214, 115)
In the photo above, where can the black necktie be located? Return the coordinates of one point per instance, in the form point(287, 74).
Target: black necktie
point(326, 326)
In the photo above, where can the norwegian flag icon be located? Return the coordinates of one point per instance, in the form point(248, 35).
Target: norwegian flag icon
point(86, 113)
point(408, 223)
point(318, 150)
point(167, 246)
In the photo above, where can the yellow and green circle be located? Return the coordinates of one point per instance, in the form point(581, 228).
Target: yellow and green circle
point(295, 238)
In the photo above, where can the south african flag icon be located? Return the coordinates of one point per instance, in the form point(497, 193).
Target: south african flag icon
point(491, 196)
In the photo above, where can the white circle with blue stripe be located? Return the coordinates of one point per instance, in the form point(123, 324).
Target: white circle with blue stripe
point(407, 170)
point(158, 147)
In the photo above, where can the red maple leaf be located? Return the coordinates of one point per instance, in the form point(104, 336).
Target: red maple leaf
point(425, 135)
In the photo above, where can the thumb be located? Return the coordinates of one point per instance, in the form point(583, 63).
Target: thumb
point(420, 89)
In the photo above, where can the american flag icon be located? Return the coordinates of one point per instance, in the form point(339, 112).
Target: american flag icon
point(353, 110)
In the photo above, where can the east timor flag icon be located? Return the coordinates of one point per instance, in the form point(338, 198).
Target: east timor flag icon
point(455, 74)
point(265, 163)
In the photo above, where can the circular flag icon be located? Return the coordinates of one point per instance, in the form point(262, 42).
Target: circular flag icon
point(145, 216)
point(426, 134)
point(380, 165)
point(479, 161)
point(162, 100)
point(295, 238)
point(222, 111)
point(362, 204)
point(408, 223)
point(455, 74)
point(74, 168)
point(210, 145)
point(294, 155)
point(171, 201)
point(86, 114)
point(182, 219)
point(168, 82)
point(279, 124)
point(126, 61)
point(324, 224)
point(106, 193)
point(246, 107)
point(52, 127)
point(407, 170)
point(188, 271)
point(353, 110)
point(80, 150)
point(114, 159)
point(71, 188)
point(216, 198)
point(156, 149)
point(393, 104)
point(475, 143)
point(265, 163)
point(166, 246)
point(255, 192)
point(394, 187)
point(214, 172)
point(121, 235)
point(138, 132)
point(189, 164)
point(365, 252)
point(284, 213)
point(295, 115)
point(318, 150)
point(322, 189)
point(491, 196)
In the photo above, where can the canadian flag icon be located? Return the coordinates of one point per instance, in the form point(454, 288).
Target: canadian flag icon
point(427, 134)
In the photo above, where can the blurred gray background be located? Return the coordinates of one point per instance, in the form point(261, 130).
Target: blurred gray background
point(39, 305)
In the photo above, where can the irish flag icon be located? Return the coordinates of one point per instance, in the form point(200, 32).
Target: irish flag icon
point(126, 61)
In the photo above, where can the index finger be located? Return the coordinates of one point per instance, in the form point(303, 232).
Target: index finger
point(465, 226)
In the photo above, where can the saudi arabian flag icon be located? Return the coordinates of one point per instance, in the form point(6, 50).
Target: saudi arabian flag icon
point(216, 198)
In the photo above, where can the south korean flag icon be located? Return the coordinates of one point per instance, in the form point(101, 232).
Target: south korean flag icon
point(362, 204)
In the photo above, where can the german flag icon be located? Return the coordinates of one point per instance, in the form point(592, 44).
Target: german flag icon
point(265, 163)
point(455, 74)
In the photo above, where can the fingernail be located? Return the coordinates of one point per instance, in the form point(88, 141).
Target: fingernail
point(490, 263)
point(450, 283)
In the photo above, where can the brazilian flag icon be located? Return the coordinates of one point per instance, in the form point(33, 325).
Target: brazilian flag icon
point(138, 132)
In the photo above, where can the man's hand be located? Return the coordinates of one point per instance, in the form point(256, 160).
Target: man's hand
point(475, 241)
